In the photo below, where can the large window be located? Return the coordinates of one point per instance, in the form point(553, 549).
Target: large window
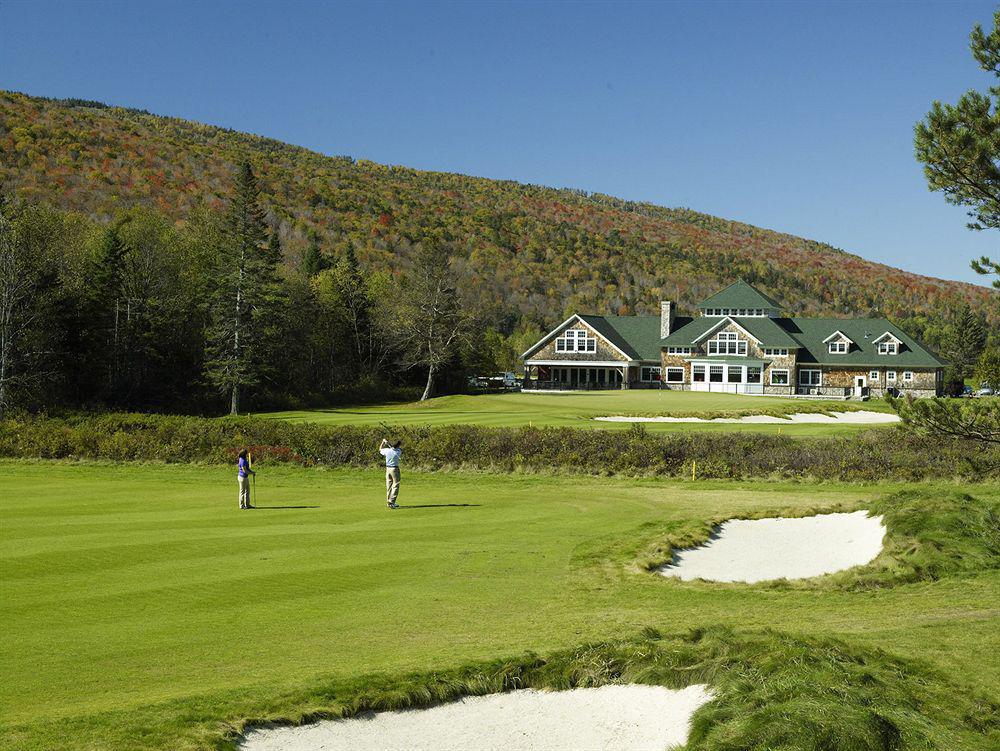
point(810, 377)
point(753, 374)
point(576, 340)
point(715, 373)
point(649, 373)
point(779, 377)
point(676, 375)
point(727, 343)
point(698, 373)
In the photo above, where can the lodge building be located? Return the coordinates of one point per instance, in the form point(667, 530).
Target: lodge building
point(740, 342)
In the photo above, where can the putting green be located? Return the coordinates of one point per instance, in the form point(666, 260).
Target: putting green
point(578, 410)
point(142, 610)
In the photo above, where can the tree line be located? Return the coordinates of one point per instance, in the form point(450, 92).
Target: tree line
point(206, 315)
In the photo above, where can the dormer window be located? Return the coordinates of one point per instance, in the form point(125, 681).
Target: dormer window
point(838, 343)
point(727, 343)
point(887, 344)
point(576, 340)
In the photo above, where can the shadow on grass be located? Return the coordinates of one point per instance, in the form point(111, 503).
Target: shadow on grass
point(438, 505)
point(272, 508)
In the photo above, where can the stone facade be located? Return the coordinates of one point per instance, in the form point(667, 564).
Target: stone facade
point(604, 352)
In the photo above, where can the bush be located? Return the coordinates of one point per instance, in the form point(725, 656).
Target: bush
point(870, 456)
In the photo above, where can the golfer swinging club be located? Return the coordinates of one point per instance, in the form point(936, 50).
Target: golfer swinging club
point(243, 473)
point(391, 452)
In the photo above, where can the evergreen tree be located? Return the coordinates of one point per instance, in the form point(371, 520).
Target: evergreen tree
point(313, 261)
point(959, 146)
point(247, 295)
point(963, 345)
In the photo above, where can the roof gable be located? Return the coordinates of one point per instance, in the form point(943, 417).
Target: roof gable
point(635, 337)
point(739, 294)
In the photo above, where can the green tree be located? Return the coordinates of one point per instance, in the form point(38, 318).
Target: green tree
point(972, 419)
point(29, 296)
point(432, 322)
point(962, 346)
point(247, 298)
point(314, 261)
point(959, 146)
point(988, 368)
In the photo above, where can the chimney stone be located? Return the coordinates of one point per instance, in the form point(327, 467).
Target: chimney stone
point(666, 318)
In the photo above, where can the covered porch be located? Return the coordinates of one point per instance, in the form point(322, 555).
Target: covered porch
point(585, 376)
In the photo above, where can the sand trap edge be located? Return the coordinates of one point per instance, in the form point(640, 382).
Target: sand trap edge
point(753, 551)
point(626, 717)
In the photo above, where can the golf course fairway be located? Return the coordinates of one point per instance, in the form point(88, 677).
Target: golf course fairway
point(580, 408)
point(142, 610)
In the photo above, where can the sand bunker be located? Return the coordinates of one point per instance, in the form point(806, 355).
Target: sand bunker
point(861, 417)
point(767, 549)
point(618, 718)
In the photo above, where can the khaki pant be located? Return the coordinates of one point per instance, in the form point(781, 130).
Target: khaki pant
point(244, 483)
point(391, 484)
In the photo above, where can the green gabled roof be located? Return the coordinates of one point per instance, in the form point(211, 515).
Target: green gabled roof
point(636, 336)
point(767, 331)
point(811, 332)
point(739, 294)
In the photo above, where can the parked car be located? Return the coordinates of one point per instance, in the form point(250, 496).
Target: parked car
point(985, 390)
point(966, 392)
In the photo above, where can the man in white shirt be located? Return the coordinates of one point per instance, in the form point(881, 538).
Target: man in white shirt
point(391, 452)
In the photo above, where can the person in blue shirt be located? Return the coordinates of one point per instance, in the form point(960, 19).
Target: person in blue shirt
point(243, 473)
point(391, 452)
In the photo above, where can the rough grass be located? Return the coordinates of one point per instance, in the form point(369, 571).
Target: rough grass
point(871, 455)
point(142, 611)
point(577, 409)
point(773, 691)
point(929, 535)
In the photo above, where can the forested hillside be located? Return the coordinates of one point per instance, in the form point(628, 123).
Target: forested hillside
point(151, 262)
point(530, 251)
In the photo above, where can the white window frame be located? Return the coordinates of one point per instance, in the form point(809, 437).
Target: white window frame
point(907, 376)
point(678, 350)
point(646, 373)
point(727, 343)
point(839, 347)
point(770, 352)
point(888, 348)
point(770, 378)
point(873, 376)
point(576, 340)
point(674, 371)
point(699, 370)
point(719, 370)
point(803, 371)
point(890, 376)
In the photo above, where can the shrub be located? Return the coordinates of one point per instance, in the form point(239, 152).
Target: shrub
point(869, 456)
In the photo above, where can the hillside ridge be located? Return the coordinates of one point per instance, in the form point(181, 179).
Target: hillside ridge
point(529, 251)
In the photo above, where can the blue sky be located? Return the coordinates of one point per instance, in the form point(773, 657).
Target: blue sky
point(792, 116)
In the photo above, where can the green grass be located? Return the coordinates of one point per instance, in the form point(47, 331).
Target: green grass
point(141, 610)
point(578, 409)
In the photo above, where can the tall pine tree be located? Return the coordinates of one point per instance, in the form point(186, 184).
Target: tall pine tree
point(246, 301)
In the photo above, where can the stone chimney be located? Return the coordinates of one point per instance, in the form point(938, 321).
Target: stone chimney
point(666, 318)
